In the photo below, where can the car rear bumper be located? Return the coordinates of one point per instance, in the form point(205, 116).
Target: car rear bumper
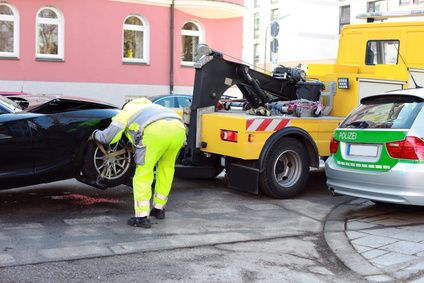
point(403, 184)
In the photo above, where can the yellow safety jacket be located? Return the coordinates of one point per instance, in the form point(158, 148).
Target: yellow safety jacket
point(133, 119)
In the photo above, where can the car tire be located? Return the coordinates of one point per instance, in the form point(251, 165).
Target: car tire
point(119, 168)
point(286, 169)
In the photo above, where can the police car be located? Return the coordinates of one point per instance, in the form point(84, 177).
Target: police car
point(377, 152)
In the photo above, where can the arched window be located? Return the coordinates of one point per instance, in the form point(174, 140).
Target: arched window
point(50, 34)
point(9, 31)
point(191, 36)
point(136, 40)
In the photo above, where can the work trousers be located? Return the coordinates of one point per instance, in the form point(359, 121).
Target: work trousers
point(162, 140)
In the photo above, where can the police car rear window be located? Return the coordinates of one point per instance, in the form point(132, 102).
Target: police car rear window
point(386, 113)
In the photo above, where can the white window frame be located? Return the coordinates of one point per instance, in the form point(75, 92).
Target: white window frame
point(410, 3)
point(15, 19)
point(256, 54)
point(375, 4)
point(341, 22)
point(256, 24)
point(60, 22)
point(199, 33)
point(146, 40)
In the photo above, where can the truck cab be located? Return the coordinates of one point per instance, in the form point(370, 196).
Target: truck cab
point(373, 58)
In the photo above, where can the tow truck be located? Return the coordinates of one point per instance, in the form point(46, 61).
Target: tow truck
point(269, 150)
point(271, 147)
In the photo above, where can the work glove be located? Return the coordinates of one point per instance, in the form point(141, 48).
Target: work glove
point(91, 137)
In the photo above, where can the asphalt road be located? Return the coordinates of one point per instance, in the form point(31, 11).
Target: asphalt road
point(69, 232)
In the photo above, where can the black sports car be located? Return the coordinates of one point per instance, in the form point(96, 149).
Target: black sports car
point(46, 138)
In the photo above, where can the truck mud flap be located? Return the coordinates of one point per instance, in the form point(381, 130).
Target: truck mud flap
point(243, 178)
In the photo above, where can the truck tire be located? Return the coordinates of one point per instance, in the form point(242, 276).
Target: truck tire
point(119, 168)
point(286, 169)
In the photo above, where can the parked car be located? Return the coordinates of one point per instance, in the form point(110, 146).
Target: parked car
point(172, 100)
point(10, 93)
point(183, 100)
point(45, 139)
point(377, 152)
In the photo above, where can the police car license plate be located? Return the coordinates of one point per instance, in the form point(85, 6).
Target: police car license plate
point(362, 150)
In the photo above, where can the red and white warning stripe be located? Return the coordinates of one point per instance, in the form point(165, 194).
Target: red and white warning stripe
point(266, 124)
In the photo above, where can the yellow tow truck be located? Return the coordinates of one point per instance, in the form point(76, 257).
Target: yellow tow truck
point(271, 147)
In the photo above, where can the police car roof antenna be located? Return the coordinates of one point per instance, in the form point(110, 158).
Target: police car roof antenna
point(400, 55)
point(23, 83)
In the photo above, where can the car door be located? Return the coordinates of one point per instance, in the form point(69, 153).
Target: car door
point(47, 149)
point(16, 148)
point(59, 141)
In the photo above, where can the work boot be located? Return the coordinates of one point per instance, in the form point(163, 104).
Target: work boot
point(143, 222)
point(158, 213)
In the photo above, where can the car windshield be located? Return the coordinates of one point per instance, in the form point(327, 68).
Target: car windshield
point(9, 105)
point(394, 113)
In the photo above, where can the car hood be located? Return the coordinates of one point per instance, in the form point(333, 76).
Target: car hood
point(58, 103)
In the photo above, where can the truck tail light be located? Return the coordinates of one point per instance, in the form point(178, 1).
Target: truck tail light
point(229, 136)
point(334, 145)
point(410, 148)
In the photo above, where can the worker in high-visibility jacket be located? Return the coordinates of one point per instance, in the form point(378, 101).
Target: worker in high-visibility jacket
point(158, 134)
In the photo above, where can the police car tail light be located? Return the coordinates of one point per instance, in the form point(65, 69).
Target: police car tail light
point(334, 145)
point(229, 136)
point(410, 148)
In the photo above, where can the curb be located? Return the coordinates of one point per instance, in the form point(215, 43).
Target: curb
point(335, 236)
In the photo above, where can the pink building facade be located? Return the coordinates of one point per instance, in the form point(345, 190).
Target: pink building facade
point(111, 50)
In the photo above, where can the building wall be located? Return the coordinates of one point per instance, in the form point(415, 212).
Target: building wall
point(310, 33)
point(93, 66)
point(307, 32)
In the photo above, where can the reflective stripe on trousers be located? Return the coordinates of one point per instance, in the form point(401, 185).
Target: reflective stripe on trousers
point(159, 200)
point(142, 208)
point(163, 140)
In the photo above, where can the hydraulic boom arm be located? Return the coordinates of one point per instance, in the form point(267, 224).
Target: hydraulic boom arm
point(213, 76)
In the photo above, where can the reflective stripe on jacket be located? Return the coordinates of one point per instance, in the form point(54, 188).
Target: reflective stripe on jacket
point(132, 120)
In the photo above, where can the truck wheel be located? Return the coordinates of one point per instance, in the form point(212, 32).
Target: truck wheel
point(286, 169)
point(118, 168)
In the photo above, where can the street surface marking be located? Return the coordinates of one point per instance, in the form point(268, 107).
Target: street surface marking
point(73, 252)
point(98, 219)
point(15, 226)
point(6, 259)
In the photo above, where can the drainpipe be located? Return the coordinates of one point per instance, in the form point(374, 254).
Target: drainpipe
point(171, 86)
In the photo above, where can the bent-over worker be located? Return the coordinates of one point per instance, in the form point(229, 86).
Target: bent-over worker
point(158, 133)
